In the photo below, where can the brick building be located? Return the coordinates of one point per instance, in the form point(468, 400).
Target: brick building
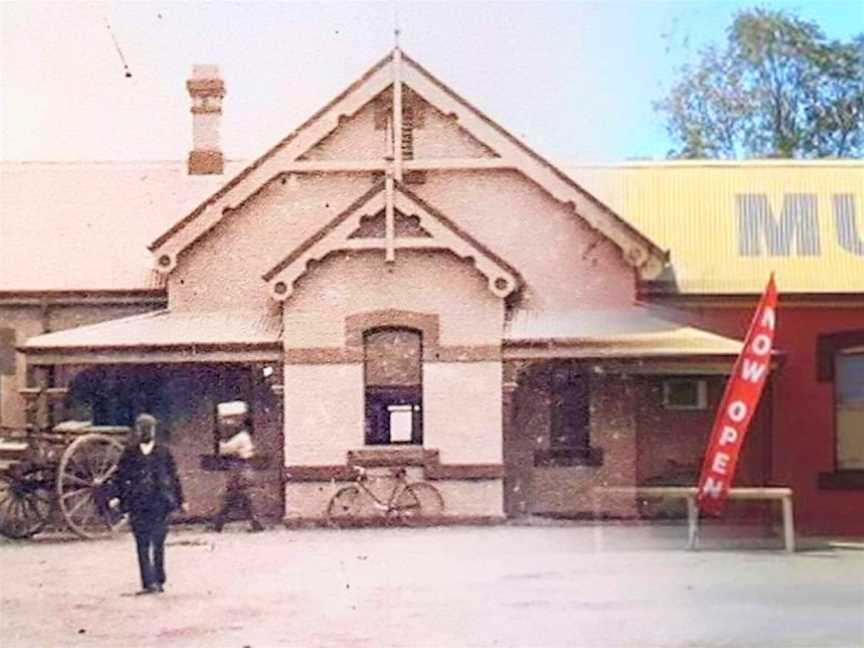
point(401, 281)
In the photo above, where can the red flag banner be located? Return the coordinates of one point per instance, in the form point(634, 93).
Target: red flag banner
point(740, 400)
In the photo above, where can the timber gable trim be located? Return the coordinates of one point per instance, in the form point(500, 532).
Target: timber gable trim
point(444, 234)
point(396, 68)
point(639, 251)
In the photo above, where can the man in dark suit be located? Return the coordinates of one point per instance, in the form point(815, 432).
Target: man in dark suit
point(149, 490)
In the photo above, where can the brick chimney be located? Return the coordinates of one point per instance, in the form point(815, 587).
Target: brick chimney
point(207, 90)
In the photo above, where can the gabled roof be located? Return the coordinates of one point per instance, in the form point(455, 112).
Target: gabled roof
point(84, 226)
point(434, 231)
point(637, 249)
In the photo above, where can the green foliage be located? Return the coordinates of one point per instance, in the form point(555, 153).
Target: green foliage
point(779, 88)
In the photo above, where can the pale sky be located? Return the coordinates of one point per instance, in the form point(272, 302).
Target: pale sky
point(574, 80)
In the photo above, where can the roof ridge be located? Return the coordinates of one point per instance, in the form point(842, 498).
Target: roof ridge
point(844, 162)
point(104, 162)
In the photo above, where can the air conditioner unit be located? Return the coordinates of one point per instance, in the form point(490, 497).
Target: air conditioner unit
point(685, 394)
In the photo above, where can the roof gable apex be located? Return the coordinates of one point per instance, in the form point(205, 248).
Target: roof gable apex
point(397, 68)
point(638, 250)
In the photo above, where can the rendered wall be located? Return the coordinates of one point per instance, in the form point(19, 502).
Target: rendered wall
point(565, 264)
point(223, 269)
point(434, 283)
point(323, 412)
point(355, 139)
point(462, 403)
point(441, 138)
point(324, 399)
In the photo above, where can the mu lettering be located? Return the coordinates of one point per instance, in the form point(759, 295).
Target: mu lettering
point(761, 232)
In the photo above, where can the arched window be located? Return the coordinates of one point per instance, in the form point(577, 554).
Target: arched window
point(393, 364)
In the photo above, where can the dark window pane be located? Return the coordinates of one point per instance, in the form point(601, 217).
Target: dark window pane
point(7, 351)
point(570, 416)
point(394, 393)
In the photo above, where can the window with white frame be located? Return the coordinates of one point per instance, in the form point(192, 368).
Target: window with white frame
point(849, 408)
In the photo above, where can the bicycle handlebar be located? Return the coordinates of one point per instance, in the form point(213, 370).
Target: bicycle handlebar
point(360, 473)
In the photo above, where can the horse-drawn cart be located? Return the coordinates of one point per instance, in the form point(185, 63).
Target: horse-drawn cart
point(62, 473)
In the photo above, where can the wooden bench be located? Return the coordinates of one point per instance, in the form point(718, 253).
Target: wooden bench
point(689, 493)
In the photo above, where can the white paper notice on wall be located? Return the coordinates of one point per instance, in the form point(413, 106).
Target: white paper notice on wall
point(401, 419)
point(232, 408)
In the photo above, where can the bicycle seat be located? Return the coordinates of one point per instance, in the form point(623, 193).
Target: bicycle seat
point(398, 472)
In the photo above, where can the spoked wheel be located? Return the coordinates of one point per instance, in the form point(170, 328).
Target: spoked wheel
point(84, 488)
point(26, 503)
point(348, 505)
point(419, 501)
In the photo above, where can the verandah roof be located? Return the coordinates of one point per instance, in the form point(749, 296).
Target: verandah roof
point(625, 333)
point(164, 336)
point(169, 336)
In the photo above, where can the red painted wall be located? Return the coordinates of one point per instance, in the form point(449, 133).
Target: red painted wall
point(802, 438)
point(671, 446)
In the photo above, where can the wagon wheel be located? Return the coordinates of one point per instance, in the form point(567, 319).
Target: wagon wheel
point(26, 503)
point(84, 485)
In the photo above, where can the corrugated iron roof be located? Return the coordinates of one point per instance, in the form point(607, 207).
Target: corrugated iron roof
point(86, 225)
point(623, 332)
point(166, 329)
point(693, 209)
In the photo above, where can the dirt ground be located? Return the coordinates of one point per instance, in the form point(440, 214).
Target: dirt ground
point(507, 586)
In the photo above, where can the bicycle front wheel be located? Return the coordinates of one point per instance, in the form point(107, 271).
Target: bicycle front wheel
point(419, 500)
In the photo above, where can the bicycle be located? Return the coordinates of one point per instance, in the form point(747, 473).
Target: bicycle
point(407, 500)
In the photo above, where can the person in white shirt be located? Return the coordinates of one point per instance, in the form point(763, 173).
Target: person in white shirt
point(238, 449)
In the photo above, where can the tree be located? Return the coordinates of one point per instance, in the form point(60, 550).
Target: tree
point(778, 88)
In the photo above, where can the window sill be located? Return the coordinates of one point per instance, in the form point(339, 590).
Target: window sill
point(384, 456)
point(592, 457)
point(841, 480)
